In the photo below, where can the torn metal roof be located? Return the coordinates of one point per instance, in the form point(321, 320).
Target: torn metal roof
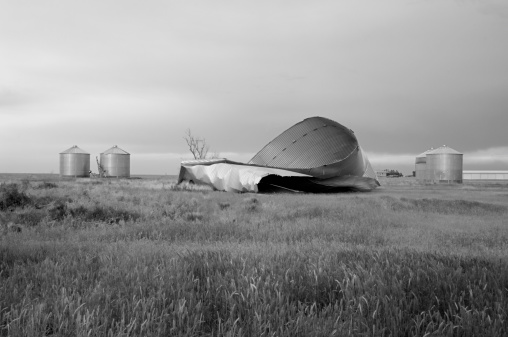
point(314, 155)
point(232, 177)
point(313, 142)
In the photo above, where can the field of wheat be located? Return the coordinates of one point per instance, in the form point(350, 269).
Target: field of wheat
point(144, 257)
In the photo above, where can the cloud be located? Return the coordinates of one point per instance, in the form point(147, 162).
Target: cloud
point(402, 75)
point(14, 100)
point(490, 156)
point(497, 8)
point(394, 161)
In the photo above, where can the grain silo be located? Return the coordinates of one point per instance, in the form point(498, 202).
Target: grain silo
point(444, 165)
point(116, 162)
point(74, 162)
point(421, 165)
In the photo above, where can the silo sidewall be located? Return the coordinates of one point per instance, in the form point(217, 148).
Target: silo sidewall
point(444, 168)
point(420, 167)
point(116, 165)
point(420, 171)
point(74, 164)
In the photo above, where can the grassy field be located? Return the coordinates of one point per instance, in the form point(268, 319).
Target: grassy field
point(143, 257)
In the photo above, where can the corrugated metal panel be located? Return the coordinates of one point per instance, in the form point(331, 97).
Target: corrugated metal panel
point(313, 151)
point(281, 142)
point(313, 142)
point(116, 162)
point(116, 165)
point(369, 170)
point(421, 171)
point(421, 165)
point(212, 161)
point(353, 165)
point(74, 164)
point(444, 167)
point(231, 177)
point(317, 146)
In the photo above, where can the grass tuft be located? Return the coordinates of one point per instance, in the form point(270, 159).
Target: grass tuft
point(460, 207)
point(251, 204)
point(12, 197)
point(47, 185)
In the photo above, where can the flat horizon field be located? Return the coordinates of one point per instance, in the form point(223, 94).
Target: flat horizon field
point(146, 257)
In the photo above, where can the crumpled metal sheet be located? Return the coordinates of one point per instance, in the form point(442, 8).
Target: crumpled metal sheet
point(232, 177)
point(315, 155)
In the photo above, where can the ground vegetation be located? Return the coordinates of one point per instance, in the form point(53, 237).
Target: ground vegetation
point(145, 257)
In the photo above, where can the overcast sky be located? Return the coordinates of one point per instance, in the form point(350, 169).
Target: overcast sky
point(404, 75)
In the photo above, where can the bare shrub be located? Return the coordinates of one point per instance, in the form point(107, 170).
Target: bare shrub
point(47, 185)
point(102, 213)
point(12, 197)
point(183, 208)
point(58, 211)
point(29, 216)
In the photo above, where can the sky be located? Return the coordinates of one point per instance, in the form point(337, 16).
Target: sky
point(405, 75)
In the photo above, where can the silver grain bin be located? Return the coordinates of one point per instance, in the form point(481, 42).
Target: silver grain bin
point(421, 173)
point(421, 165)
point(116, 162)
point(74, 162)
point(444, 165)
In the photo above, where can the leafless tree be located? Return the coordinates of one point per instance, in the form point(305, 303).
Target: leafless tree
point(197, 146)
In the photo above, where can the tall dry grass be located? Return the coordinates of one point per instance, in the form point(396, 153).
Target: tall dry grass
point(148, 258)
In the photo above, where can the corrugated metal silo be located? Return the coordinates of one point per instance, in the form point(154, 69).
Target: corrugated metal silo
point(116, 162)
point(421, 165)
point(74, 162)
point(444, 165)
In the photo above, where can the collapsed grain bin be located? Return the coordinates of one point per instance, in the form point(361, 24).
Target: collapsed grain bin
point(421, 165)
point(116, 162)
point(74, 162)
point(315, 155)
point(444, 165)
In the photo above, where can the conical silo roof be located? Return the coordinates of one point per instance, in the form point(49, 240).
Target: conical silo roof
point(424, 154)
point(74, 149)
point(444, 150)
point(115, 150)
